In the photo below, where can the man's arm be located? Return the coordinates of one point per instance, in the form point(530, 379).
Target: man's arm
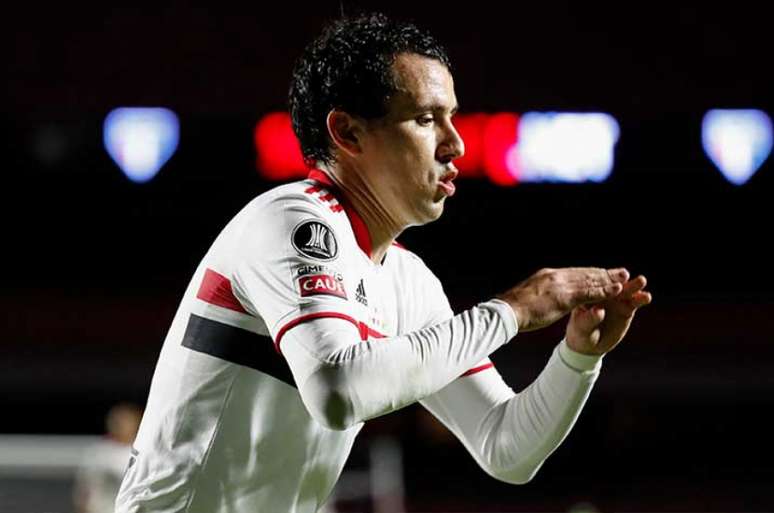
point(344, 381)
point(511, 435)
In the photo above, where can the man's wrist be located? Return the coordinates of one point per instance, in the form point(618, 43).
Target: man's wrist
point(512, 328)
point(578, 361)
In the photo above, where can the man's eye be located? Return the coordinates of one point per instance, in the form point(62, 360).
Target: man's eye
point(425, 120)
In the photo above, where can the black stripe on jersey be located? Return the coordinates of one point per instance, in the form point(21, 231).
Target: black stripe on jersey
point(236, 345)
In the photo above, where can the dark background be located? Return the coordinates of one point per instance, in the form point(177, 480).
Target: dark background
point(94, 265)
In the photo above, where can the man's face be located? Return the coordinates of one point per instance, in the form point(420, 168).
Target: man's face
point(408, 153)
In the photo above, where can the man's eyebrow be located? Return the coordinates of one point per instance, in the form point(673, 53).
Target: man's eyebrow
point(435, 107)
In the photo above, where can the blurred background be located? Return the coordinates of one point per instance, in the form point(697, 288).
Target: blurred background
point(96, 263)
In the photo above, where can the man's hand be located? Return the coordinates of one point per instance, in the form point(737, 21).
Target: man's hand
point(596, 329)
point(550, 294)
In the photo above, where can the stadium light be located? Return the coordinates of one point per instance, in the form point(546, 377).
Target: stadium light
point(737, 141)
point(141, 140)
point(501, 135)
point(278, 152)
point(564, 147)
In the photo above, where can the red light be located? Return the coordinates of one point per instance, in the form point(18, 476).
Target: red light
point(488, 140)
point(471, 129)
point(279, 154)
point(500, 135)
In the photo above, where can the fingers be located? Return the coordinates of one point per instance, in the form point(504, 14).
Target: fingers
point(635, 285)
point(585, 322)
point(619, 274)
point(626, 292)
point(602, 284)
point(590, 316)
point(641, 299)
point(633, 293)
point(550, 294)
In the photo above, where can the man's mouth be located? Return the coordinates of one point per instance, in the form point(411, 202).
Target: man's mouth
point(446, 183)
point(447, 186)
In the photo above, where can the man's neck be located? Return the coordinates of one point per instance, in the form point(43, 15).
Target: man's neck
point(382, 224)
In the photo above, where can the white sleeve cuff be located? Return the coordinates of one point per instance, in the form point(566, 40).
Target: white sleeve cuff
point(508, 316)
point(578, 361)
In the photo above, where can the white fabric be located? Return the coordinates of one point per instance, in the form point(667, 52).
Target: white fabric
point(511, 435)
point(343, 381)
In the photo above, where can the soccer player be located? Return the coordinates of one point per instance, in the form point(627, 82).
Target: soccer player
point(305, 318)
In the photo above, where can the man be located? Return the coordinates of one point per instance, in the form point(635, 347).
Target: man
point(100, 473)
point(305, 319)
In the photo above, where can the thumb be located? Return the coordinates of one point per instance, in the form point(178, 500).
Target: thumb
point(587, 318)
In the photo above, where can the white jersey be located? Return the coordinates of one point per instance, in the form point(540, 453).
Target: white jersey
point(288, 337)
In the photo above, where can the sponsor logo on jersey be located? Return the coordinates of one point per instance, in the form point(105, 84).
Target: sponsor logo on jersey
point(307, 269)
point(315, 239)
point(360, 293)
point(321, 284)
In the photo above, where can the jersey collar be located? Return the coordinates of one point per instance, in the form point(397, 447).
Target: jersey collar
point(359, 228)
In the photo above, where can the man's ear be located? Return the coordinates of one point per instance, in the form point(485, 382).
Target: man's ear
point(345, 131)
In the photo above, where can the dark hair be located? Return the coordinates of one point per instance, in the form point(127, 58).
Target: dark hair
point(349, 67)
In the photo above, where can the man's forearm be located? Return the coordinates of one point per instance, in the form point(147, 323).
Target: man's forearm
point(345, 385)
point(526, 429)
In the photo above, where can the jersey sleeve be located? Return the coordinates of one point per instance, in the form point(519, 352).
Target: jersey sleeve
point(292, 264)
point(344, 383)
point(511, 435)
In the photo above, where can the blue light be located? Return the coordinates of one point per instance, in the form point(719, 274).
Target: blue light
point(141, 140)
point(564, 147)
point(737, 141)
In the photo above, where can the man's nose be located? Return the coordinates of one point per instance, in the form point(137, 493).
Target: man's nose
point(452, 146)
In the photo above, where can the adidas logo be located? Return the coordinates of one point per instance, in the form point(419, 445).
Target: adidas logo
point(360, 293)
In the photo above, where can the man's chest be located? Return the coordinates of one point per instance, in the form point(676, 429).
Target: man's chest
point(384, 299)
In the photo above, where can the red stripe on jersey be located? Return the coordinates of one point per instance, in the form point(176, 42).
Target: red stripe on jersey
point(327, 197)
point(374, 333)
point(320, 176)
point(362, 327)
point(359, 227)
point(480, 368)
point(216, 290)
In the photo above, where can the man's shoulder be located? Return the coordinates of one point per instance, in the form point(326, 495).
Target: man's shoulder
point(300, 214)
point(303, 196)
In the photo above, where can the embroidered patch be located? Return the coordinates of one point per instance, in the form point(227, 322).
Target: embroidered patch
point(315, 239)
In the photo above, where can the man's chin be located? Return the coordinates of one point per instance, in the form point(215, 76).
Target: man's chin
point(432, 213)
